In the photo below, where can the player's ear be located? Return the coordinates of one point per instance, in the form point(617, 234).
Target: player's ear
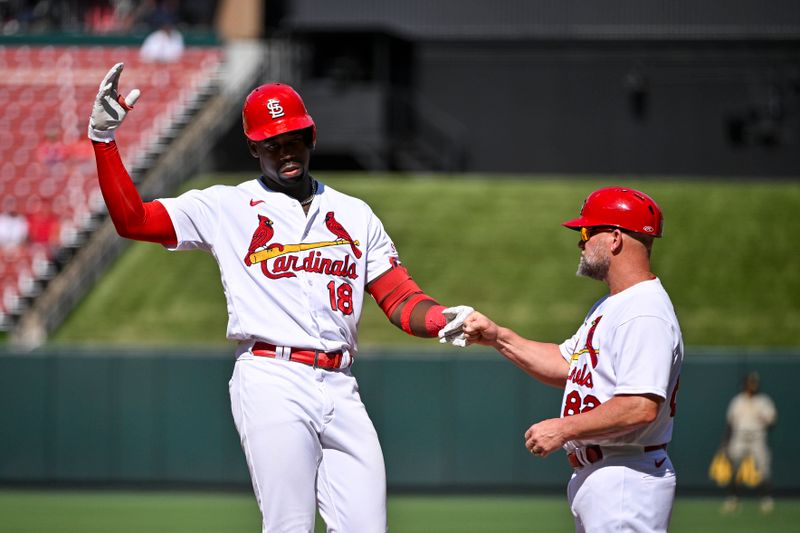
point(617, 242)
point(253, 147)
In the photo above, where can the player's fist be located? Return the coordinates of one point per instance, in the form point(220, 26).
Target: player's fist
point(545, 437)
point(110, 108)
point(479, 329)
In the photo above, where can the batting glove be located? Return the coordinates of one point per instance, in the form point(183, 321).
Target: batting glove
point(453, 332)
point(110, 107)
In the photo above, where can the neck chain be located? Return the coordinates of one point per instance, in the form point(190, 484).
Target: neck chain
point(313, 193)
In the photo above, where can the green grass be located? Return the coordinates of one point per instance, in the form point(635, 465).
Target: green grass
point(202, 512)
point(728, 258)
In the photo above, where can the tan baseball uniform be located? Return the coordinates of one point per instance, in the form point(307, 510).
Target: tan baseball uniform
point(749, 418)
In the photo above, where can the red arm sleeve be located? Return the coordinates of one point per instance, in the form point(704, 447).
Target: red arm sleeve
point(132, 218)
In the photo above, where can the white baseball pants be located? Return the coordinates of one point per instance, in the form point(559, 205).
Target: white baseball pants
point(309, 442)
point(623, 493)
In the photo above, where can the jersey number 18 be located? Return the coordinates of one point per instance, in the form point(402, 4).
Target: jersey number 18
point(341, 297)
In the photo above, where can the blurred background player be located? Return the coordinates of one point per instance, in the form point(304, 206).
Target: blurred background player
point(619, 372)
point(751, 414)
point(296, 257)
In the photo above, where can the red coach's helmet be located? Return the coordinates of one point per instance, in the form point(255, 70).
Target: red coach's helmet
point(273, 109)
point(621, 207)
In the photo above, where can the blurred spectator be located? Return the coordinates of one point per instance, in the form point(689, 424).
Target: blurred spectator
point(53, 150)
point(108, 16)
point(165, 44)
point(13, 226)
point(43, 225)
point(750, 415)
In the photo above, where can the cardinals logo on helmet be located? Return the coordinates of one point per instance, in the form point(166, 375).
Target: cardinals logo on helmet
point(275, 108)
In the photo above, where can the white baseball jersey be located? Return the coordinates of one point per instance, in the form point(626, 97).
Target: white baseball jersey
point(751, 414)
point(629, 343)
point(290, 279)
point(296, 280)
point(750, 417)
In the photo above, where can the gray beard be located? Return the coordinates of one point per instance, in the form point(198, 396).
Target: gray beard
point(593, 267)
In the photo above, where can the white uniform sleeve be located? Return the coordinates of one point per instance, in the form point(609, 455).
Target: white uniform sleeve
point(195, 216)
point(381, 251)
point(645, 346)
point(567, 347)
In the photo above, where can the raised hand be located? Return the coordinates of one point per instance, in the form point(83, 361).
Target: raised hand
point(110, 108)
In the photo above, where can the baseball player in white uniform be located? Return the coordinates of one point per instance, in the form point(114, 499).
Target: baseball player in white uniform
point(619, 372)
point(296, 258)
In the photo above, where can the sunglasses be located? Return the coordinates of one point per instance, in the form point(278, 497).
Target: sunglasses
point(588, 232)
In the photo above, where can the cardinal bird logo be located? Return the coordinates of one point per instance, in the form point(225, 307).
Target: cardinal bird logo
point(338, 230)
point(592, 351)
point(261, 236)
point(588, 347)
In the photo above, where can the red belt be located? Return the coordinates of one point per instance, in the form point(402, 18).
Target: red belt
point(594, 453)
point(315, 358)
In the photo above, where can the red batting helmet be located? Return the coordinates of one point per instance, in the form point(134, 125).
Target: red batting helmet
point(273, 109)
point(620, 207)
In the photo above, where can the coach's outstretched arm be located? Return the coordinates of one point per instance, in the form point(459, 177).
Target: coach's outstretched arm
point(132, 218)
point(541, 360)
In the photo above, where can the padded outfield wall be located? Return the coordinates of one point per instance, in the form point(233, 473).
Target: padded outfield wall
point(447, 420)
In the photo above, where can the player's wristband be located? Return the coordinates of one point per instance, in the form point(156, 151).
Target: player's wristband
point(435, 320)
